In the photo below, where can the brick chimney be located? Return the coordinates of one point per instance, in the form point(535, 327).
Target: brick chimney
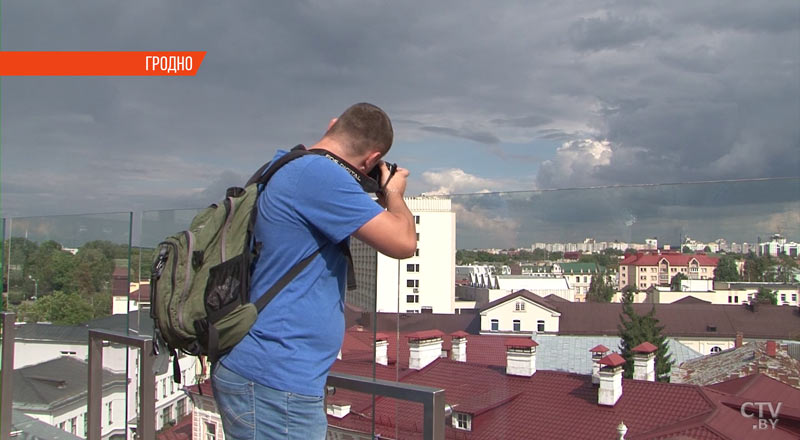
point(610, 379)
point(424, 348)
point(597, 353)
point(520, 357)
point(644, 361)
point(739, 340)
point(459, 346)
point(772, 348)
point(382, 349)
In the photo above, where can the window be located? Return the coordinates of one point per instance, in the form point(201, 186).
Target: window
point(108, 411)
point(585, 279)
point(794, 297)
point(412, 283)
point(73, 425)
point(68, 353)
point(783, 297)
point(211, 431)
point(517, 325)
point(416, 219)
point(643, 277)
point(417, 236)
point(715, 349)
point(412, 298)
point(495, 325)
point(416, 253)
point(180, 408)
point(166, 415)
point(85, 424)
point(736, 299)
point(730, 298)
point(462, 421)
point(704, 270)
point(519, 306)
point(540, 325)
point(673, 269)
point(412, 267)
point(163, 387)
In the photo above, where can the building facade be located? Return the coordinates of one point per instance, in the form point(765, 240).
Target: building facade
point(423, 282)
point(643, 270)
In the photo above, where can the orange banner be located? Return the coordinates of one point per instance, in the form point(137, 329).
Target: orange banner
point(100, 63)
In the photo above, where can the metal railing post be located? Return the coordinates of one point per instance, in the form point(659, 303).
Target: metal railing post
point(432, 399)
point(6, 375)
point(146, 426)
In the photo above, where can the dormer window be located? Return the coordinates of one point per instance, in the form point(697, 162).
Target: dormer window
point(462, 421)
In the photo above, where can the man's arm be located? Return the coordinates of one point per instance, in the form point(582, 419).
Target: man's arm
point(392, 232)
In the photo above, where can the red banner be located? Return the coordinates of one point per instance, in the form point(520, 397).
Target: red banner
point(100, 63)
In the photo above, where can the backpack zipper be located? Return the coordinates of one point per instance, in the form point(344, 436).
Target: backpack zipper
point(190, 243)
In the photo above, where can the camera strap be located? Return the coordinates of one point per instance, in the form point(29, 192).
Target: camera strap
point(368, 184)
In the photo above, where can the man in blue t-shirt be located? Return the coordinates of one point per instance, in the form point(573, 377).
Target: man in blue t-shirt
point(271, 385)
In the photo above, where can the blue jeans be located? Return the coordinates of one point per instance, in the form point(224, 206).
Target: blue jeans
point(251, 411)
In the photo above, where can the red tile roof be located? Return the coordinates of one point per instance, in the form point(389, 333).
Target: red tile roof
point(645, 347)
point(599, 349)
point(520, 342)
point(180, 431)
point(612, 360)
point(425, 334)
point(459, 334)
point(653, 259)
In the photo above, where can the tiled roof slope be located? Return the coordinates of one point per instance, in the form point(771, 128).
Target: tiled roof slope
point(65, 334)
point(674, 259)
point(739, 362)
point(51, 383)
point(687, 320)
point(34, 429)
point(555, 405)
point(555, 352)
point(180, 431)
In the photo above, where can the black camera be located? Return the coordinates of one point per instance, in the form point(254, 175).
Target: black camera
point(375, 174)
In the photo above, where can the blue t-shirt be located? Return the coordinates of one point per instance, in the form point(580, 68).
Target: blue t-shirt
point(310, 203)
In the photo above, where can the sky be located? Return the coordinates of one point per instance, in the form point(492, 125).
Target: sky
point(485, 97)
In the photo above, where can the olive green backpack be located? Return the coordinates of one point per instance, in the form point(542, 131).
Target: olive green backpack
point(199, 288)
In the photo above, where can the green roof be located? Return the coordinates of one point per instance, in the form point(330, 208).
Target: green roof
point(573, 268)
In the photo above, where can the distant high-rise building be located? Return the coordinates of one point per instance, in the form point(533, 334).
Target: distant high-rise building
point(424, 282)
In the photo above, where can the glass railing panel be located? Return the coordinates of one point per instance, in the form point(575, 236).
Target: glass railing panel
point(64, 276)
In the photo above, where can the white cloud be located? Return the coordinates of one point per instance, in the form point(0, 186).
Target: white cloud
point(574, 164)
point(455, 181)
point(503, 230)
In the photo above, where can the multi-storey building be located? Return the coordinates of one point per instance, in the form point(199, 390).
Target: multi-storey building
point(424, 282)
point(643, 270)
point(779, 246)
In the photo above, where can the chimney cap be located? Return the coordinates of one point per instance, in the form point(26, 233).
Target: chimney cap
point(459, 334)
point(425, 334)
point(612, 360)
point(520, 342)
point(644, 348)
point(599, 349)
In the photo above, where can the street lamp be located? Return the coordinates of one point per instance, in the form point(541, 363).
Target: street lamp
point(35, 287)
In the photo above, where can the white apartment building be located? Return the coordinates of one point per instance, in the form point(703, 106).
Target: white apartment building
point(778, 245)
point(424, 282)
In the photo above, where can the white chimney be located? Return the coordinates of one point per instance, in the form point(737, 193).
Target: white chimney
point(597, 353)
point(621, 431)
point(381, 349)
point(610, 379)
point(520, 357)
point(459, 346)
point(424, 348)
point(644, 361)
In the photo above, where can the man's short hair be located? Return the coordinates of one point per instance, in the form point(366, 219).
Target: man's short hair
point(363, 128)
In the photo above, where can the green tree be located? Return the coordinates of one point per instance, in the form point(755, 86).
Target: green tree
point(557, 255)
point(687, 250)
point(635, 329)
point(600, 289)
point(58, 307)
point(675, 282)
point(757, 268)
point(726, 269)
point(707, 249)
point(766, 296)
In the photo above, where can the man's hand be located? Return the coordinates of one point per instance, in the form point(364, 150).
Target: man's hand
point(392, 232)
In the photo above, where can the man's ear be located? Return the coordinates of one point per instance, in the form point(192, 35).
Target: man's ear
point(333, 121)
point(372, 159)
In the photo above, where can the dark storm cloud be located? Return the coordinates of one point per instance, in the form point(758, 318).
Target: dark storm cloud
point(481, 137)
point(681, 91)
